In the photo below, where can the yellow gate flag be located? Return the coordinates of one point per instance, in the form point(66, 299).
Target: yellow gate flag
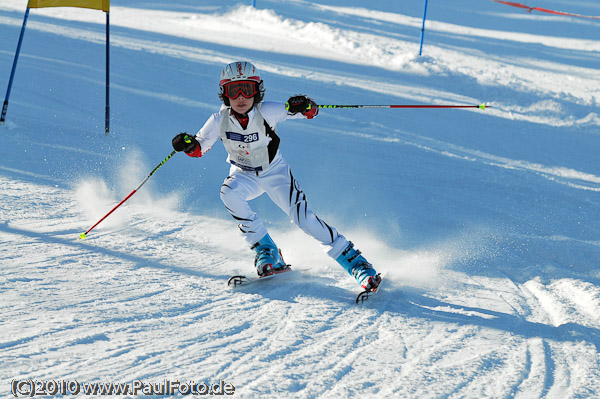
point(103, 5)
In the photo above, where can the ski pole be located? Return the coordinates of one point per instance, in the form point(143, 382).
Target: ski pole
point(84, 235)
point(480, 106)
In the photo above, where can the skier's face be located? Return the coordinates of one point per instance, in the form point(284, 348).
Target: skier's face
point(241, 104)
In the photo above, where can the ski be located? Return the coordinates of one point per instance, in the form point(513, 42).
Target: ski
point(366, 294)
point(241, 280)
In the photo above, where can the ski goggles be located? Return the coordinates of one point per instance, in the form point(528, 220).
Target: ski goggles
point(234, 89)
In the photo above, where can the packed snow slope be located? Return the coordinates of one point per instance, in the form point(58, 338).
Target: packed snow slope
point(485, 222)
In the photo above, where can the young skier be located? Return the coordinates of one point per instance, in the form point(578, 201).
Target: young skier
point(246, 126)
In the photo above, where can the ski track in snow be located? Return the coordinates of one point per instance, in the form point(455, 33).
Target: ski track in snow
point(146, 301)
point(145, 296)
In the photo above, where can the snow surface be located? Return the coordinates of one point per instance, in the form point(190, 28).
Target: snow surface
point(484, 222)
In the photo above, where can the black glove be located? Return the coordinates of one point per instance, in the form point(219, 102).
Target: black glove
point(184, 142)
point(299, 103)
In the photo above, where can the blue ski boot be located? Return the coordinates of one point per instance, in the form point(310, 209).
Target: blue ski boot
point(358, 267)
point(268, 258)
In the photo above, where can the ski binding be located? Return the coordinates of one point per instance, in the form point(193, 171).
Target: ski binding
point(366, 294)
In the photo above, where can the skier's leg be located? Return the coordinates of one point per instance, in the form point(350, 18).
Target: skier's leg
point(236, 191)
point(285, 191)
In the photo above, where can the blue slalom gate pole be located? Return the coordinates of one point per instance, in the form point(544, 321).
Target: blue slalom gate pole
point(423, 28)
point(253, 3)
point(107, 111)
point(14, 67)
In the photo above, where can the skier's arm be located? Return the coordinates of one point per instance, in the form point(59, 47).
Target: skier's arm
point(275, 112)
point(196, 146)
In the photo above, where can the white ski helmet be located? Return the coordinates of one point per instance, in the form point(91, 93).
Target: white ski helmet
point(241, 71)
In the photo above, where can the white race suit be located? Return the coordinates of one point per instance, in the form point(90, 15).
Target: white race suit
point(258, 167)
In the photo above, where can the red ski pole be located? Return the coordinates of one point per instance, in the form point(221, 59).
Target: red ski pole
point(83, 236)
point(480, 106)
